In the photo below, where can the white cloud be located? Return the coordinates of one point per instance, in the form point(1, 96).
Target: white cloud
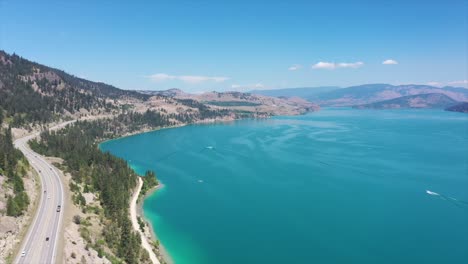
point(295, 67)
point(324, 65)
point(434, 84)
point(158, 77)
point(353, 65)
point(161, 77)
point(247, 86)
point(332, 65)
point(390, 62)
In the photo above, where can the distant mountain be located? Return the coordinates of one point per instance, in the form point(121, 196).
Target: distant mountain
point(169, 93)
point(462, 108)
point(31, 92)
point(433, 100)
point(303, 92)
point(239, 102)
point(370, 93)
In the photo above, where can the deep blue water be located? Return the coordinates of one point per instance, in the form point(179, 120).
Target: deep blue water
point(337, 186)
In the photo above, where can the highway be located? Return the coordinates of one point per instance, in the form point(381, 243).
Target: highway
point(41, 240)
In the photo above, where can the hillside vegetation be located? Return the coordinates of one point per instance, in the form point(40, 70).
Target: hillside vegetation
point(32, 93)
point(13, 166)
point(106, 176)
point(243, 104)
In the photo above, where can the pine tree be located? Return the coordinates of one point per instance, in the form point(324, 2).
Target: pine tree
point(12, 207)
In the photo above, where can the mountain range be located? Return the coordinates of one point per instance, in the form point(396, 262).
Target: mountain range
point(369, 95)
point(32, 94)
point(432, 100)
point(243, 102)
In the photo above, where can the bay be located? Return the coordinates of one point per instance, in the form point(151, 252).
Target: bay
point(335, 186)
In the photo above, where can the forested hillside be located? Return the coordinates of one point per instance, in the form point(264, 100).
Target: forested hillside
point(109, 177)
point(34, 93)
point(13, 166)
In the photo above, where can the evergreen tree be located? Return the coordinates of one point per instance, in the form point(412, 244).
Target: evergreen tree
point(9, 166)
point(12, 207)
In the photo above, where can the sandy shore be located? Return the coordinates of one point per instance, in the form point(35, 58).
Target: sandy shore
point(149, 229)
point(133, 216)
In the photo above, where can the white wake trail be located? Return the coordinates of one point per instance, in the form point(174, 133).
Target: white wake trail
point(432, 193)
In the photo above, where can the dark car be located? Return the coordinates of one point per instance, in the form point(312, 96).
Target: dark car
point(58, 208)
point(47, 239)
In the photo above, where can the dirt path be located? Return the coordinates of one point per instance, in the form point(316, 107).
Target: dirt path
point(133, 215)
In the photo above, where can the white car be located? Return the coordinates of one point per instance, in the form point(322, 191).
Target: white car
point(23, 253)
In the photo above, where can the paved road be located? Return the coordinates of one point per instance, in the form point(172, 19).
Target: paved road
point(47, 222)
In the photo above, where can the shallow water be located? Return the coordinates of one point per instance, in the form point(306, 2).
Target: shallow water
point(337, 186)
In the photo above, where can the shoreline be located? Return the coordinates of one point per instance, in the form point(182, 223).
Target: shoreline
point(139, 132)
point(152, 233)
point(149, 130)
point(145, 244)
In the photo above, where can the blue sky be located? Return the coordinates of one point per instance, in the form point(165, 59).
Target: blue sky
point(242, 45)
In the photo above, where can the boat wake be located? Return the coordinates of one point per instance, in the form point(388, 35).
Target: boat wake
point(456, 202)
point(432, 193)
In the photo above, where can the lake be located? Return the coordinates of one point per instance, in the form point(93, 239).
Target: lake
point(335, 186)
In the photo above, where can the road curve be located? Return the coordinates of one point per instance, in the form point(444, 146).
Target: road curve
point(40, 243)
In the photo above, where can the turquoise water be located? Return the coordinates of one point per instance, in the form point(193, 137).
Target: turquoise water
point(337, 186)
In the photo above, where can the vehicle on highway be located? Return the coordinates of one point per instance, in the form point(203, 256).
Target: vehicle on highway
point(47, 239)
point(23, 253)
point(58, 208)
